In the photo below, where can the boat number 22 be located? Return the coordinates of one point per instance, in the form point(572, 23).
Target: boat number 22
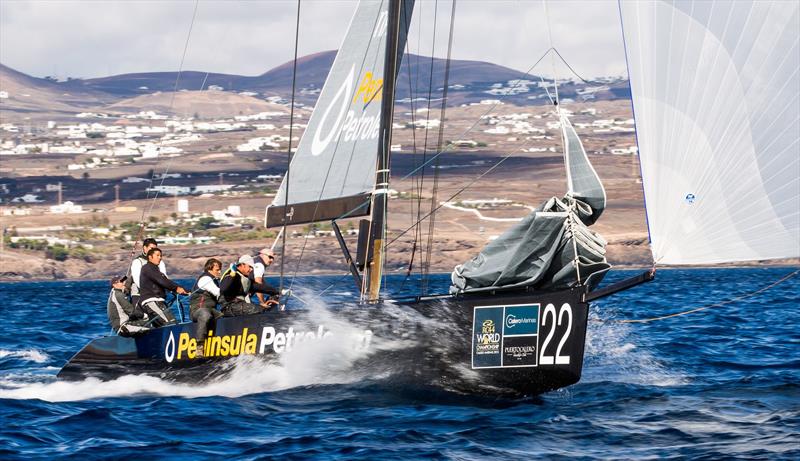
point(550, 313)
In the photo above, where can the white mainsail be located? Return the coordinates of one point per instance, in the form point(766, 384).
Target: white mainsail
point(332, 174)
point(715, 93)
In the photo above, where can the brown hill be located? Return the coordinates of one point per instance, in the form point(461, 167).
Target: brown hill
point(31, 95)
point(204, 104)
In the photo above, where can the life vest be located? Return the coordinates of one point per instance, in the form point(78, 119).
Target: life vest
point(129, 275)
point(202, 298)
point(245, 284)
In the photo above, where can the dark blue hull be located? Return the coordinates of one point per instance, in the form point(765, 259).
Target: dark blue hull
point(509, 344)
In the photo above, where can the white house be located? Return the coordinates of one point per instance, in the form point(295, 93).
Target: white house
point(66, 208)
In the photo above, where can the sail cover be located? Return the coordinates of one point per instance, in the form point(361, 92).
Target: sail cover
point(552, 247)
point(715, 94)
point(332, 174)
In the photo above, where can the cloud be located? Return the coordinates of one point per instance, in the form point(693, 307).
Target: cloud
point(93, 39)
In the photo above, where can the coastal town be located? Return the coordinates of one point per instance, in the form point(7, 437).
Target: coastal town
point(78, 187)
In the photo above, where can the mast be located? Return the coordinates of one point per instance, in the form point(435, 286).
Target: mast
point(381, 195)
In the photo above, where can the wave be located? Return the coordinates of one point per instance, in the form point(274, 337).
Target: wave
point(31, 355)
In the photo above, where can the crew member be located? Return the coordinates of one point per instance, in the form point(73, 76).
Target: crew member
point(125, 319)
point(132, 284)
point(262, 262)
point(153, 289)
point(203, 301)
point(236, 287)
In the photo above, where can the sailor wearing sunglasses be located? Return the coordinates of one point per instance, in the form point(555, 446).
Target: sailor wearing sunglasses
point(264, 259)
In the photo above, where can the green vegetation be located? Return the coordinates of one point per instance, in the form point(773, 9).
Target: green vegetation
point(229, 235)
point(205, 223)
point(57, 252)
point(94, 220)
point(25, 244)
point(323, 226)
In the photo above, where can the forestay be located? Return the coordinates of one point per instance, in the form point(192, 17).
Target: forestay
point(552, 248)
point(332, 174)
point(715, 94)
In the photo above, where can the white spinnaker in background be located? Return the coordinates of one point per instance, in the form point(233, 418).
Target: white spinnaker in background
point(715, 94)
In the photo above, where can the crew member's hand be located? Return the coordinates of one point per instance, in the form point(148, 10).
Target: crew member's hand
point(181, 291)
point(267, 305)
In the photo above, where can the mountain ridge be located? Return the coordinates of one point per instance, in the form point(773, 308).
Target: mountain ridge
point(470, 81)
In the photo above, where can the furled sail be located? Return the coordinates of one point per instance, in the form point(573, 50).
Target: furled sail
point(332, 174)
point(582, 179)
point(553, 247)
point(715, 94)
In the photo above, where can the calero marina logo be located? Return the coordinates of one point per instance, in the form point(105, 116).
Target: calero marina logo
point(249, 343)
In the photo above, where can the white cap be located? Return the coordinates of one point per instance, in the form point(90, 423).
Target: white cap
point(247, 259)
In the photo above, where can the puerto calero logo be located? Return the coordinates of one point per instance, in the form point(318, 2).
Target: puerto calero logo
point(246, 342)
point(520, 352)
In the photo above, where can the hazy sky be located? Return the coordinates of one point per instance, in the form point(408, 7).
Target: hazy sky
point(94, 38)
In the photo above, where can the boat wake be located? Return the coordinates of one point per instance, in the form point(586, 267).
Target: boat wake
point(611, 355)
point(308, 363)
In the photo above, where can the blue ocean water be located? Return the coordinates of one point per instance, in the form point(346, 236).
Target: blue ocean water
point(719, 384)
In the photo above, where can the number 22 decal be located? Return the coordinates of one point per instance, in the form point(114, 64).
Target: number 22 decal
point(550, 311)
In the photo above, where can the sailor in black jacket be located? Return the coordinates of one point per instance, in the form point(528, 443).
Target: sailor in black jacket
point(237, 286)
point(152, 290)
point(126, 320)
point(203, 301)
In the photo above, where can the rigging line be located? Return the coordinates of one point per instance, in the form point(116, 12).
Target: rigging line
point(413, 136)
point(330, 164)
point(552, 57)
point(448, 148)
point(475, 124)
point(386, 137)
point(418, 231)
point(709, 306)
point(575, 73)
point(169, 162)
point(289, 149)
point(546, 90)
point(476, 179)
point(205, 79)
point(440, 141)
point(421, 178)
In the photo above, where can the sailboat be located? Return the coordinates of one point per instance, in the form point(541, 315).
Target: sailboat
point(514, 322)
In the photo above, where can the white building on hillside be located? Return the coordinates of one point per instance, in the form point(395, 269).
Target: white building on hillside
point(66, 208)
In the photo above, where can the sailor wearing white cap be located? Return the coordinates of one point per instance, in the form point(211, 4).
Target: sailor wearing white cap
point(236, 287)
